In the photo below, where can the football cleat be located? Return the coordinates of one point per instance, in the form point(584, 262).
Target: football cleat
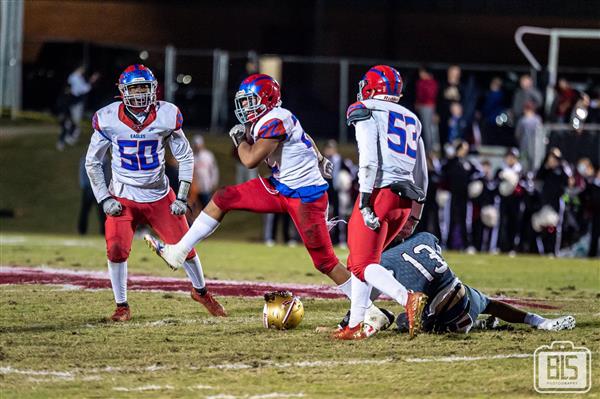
point(344, 323)
point(415, 304)
point(173, 256)
point(355, 333)
point(210, 303)
point(558, 324)
point(122, 313)
point(378, 318)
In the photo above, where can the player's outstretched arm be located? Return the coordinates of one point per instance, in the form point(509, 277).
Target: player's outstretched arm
point(251, 155)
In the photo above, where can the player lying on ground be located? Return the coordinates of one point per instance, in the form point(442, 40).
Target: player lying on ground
point(393, 181)
point(273, 134)
point(136, 130)
point(453, 306)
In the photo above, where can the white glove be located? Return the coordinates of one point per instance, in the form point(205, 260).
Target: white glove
point(371, 220)
point(326, 168)
point(237, 134)
point(112, 207)
point(179, 206)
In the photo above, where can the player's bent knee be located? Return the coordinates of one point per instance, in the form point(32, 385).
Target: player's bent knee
point(224, 197)
point(327, 267)
point(117, 253)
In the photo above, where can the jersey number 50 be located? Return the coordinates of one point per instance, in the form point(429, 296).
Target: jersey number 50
point(405, 128)
point(138, 160)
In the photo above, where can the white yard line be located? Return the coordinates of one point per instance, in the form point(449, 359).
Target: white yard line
point(145, 388)
point(452, 359)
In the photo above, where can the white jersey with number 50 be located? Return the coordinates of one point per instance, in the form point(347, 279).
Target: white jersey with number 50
point(389, 144)
point(138, 152)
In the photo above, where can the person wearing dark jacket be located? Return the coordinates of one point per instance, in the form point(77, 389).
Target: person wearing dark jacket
point(553, 177)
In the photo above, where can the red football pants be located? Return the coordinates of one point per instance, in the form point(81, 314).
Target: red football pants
point(309, 218)
point(366, 245)
point(119, 230)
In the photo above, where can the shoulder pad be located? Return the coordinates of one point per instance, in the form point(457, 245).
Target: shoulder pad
point(272, 129)
point(357, 112)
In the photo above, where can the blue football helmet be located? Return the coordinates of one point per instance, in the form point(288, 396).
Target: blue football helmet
point(135, 75)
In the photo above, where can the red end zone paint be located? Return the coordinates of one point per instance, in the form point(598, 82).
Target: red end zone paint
point(100, 280)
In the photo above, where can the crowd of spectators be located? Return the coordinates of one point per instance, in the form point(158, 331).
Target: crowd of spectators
point(542, 196)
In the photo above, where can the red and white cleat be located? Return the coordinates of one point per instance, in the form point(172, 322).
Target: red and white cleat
point(122, 313)
point(415, 304)
point(210, 303)
point(349, 334)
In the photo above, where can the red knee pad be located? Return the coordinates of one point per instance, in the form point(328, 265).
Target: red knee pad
point(328, 266)
point(116, 252)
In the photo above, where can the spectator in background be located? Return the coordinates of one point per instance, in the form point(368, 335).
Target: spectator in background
point(430, 220)
point(79, 87)
point(525, 93)
point(452, 91)
point(590, 199)
point(530, 136)
point(564, 102)
point(206, 172)
point(458, 172)
point(330, 151)
point(510, 201)
point(553, 177)
point(493, 103)
point(485, 209)
point(457, 124)
point(88, 200)
point(425, 102)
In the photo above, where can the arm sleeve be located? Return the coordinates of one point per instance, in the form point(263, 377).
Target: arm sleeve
point(420, 169)
point(99, 144)
point(182, 151)
point(367, 140)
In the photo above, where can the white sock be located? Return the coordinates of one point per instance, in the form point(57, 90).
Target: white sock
point(359, 302)
point(118, 280)
point(193, 269)
point(346, 288)
point(380, 278)
point(533, 319)
point(202, 227)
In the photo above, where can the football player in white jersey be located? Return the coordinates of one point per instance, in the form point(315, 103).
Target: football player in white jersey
point(273, 134)
point(393, 181)
point(136, 131)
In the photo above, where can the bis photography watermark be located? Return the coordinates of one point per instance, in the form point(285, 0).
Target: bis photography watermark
point(562, 367)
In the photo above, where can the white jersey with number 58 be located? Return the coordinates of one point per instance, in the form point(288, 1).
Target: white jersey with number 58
point(389, 144)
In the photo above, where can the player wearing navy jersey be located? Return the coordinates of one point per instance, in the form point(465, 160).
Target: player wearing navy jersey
point(393, 181)
point(270, 133)
point(136, 131)
point(417, 263)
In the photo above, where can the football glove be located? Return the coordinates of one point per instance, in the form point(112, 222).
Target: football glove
point(409, 227)
point(237, 134)
point(112, 207)
point(371, 220)
point(325, 167)
point(179, 206)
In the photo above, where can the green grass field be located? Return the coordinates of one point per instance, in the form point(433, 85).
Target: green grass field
point(55, 342)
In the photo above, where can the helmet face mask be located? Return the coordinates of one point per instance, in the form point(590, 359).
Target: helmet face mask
point(248, 106)
point(137, 86)
point(257, 95)
point(282, 310)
